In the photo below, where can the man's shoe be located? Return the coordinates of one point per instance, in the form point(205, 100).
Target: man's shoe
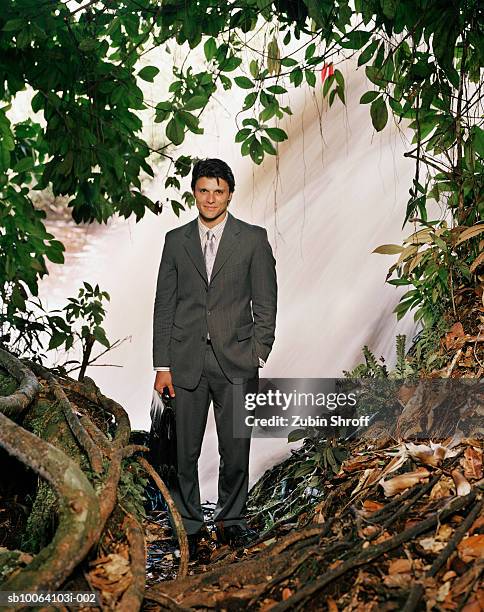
point(198, 546)
point(237, 536)
point(193, 542)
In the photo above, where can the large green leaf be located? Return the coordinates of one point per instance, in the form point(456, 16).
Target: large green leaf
point(148, 73)
point(379, 114)
point(276, 134)
point(175, 131)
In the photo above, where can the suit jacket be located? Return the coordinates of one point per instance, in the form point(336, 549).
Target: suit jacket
point(237, 307)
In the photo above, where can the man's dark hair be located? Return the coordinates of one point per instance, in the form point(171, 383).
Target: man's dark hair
point(213, 168)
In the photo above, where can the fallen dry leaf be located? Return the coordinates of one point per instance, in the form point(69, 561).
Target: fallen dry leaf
point(443, 488)
point(369, 530)
point(361, 462)
point(444, 533)
point(471, 548)
point(405, 393)
point(384, 536)
point(425, 454)
point(396, 581)
point(461, 484)
point(432, 545)
point(448, 575)
point(455, 337)
point(331, 604)
point(286, 593)
point(371, 506)
point(400, 566)
point(472, 606)
point(472, 463)
point(443, 591)
point(403, 482)
point(477, 524)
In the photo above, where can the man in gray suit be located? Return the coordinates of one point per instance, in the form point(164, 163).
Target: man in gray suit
point(214, 323)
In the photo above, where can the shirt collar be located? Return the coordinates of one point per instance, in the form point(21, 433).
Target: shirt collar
point(217, 229)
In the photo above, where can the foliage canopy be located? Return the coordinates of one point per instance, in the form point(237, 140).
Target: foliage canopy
point(422, 57)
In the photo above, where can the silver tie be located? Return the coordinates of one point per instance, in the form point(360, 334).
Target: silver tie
point(209, 253)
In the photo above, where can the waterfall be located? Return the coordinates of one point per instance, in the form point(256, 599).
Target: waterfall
point(336, 191)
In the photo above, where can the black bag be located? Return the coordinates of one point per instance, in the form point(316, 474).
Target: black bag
point(162, 442)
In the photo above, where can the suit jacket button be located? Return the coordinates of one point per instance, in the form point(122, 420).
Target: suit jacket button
point(208, 312)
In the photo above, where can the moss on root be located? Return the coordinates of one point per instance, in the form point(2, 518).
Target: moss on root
point(8, 384)
point(47, 421)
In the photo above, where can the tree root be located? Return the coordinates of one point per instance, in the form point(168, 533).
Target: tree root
point(27, 390)
point(374, 552)
point(81, 513)
point(78, 515)
point(89, 390)
point(177, 520)
point(418, 590)
point(85, 441)
point(133, 596)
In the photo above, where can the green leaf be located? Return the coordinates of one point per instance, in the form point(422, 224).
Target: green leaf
point(296, 77)
point(250, 100)
point(190, 121)
point(327, 84)
point(37, 102)
point(254, 68)
point(341, 93)
point(148, 73)
point(310, 78)
point(65, 166)
point(369, 96)
point(230, 64)
point(55, 255)
point(250, 121)
point(374, 74)
point(244, 83)
point(310, 49)
point(389, 8)
point(175, 131)
point(210, 49)
point(379, 114)
point(14, 25)
point(100, 335)
point(88, 44)
point(296, 434)
point(356, 39)
point(276, 134)
point(478, 140)
point(277, 89)
point(268, 146)
point(256, 151)
point(195, 102)
point(288, 62)
point(25, 164)
point(242, 134)
point(339, 78)
point(367, 53)
point(56, 340)
point(245, 148)
point(226, 82)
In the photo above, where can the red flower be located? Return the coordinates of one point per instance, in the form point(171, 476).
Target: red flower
point(326, 71)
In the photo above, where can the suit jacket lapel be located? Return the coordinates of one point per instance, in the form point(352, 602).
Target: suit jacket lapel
point(228, 242)
point(194, 248)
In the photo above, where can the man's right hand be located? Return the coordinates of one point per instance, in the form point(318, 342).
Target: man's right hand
point(162, 380)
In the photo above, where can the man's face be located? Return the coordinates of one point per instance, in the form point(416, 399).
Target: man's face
point(212, 197)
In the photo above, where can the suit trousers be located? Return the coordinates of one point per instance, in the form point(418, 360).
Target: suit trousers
point(191, 409)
